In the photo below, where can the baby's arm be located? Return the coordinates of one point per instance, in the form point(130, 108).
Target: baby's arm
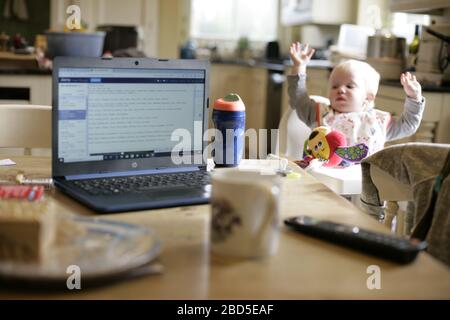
point(298, 96)
point(409, 121)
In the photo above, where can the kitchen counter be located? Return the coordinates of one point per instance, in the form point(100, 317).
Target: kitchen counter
point(276, 65)
point(26, 86)
point(320, 64)
point(270, 65)
point(25, 72)
point(425, 88)
point(20, 64)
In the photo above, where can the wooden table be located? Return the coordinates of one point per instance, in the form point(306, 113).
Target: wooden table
point(303, 268)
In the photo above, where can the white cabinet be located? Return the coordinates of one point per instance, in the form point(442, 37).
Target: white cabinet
point(294, 12)
point(38, 88)
point(436, 116)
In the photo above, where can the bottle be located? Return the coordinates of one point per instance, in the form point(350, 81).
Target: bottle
point(413, 49)
point(414, 45)
point(187, 51)
point(229, 119)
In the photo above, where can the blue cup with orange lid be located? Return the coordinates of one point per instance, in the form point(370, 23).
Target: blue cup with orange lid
point(229, 119)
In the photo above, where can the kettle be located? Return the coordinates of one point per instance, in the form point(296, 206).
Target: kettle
point(386, 46)
point(386, 53)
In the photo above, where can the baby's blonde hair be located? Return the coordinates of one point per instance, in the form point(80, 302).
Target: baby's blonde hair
point(369, 74)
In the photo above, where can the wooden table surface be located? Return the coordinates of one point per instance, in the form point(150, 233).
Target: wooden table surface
point(303, 268)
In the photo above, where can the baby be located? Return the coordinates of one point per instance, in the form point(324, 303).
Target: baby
point(352, 87)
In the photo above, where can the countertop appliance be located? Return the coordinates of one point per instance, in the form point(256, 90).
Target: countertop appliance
point(444, 52)
point(119, 37)
point(75, 44)
point(433, 57)
point(387, 53)
point(386, 46)
point(273, 50)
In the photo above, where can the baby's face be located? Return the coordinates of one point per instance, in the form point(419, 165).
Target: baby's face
point(347, 91)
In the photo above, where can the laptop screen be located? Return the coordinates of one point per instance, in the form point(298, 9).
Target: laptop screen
point(119, 113)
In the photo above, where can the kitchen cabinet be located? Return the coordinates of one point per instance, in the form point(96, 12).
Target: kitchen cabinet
point(37, 89)
point(316, 83)
point(295, 12)
point(419, 6)
point(250, 83)
point(436, 116)
point(32, 89)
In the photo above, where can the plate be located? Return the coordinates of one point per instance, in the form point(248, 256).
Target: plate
point(104, 250)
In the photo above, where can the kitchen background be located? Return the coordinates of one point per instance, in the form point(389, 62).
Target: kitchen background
point(247, 42)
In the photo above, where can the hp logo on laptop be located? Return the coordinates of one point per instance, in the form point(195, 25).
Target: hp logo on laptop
point(134, 165)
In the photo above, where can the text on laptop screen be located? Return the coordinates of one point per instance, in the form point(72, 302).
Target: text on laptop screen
point(110, 114)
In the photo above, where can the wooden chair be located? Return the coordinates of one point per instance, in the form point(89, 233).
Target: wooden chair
point(405, 173)
point(25, 126)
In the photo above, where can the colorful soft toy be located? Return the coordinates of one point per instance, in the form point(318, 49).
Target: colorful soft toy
point(330, 150)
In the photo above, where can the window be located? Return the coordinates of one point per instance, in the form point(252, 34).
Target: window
point(403, 24)
point(231, 19)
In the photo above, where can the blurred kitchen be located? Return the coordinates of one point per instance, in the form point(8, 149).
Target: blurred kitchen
point(246, 42)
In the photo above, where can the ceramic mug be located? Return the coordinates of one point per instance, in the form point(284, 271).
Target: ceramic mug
point(245, 213)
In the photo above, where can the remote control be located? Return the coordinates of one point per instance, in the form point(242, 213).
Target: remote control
point(378, 244)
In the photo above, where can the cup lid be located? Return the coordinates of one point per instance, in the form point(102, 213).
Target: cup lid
point(231, 102)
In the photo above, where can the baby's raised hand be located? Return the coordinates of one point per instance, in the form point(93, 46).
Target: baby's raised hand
point(300, 56)
point(411, 86)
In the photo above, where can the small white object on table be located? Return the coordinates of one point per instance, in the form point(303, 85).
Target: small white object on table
point(268, 166)
point(343, 181)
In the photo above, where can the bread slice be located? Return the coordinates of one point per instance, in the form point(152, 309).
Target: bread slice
point(27, 230)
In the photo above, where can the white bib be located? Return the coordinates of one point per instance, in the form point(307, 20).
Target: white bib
point(368, 127)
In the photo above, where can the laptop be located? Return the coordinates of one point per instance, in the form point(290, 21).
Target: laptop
point(128, 133)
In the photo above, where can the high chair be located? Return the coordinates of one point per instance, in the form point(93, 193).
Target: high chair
point(291, 135)
point(25, 126)
point(417, 173)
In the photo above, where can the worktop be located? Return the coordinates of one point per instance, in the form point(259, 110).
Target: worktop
point(278, 65)
point(26, 86)
point(252, 63)
point(44, 72)
point(273, 65)
point(425, 88)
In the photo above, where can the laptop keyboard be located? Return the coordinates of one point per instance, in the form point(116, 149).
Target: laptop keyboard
point(143, 183)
